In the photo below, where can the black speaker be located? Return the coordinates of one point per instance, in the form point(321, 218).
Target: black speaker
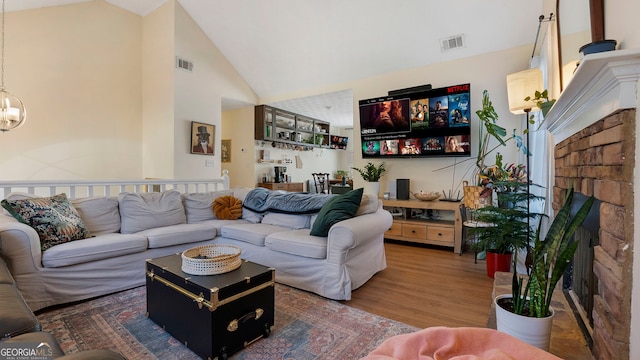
point(410, 90)
point(402, 189)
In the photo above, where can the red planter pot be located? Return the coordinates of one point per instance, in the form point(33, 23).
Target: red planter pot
point(498, 262)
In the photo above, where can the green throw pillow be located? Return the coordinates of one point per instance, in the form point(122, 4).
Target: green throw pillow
point(55, 220)
point(339, 208)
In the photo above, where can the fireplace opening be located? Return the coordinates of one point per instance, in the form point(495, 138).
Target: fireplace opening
point(580, 285)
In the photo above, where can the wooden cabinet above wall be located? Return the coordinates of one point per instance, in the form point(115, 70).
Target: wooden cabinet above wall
point(272, 124)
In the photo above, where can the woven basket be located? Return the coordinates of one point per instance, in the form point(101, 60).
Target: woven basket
point(472, 197)
point(220, 259)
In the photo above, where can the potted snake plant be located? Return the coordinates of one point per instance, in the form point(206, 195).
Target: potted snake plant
point(526, 313)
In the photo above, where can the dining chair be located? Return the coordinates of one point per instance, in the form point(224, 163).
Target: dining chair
point(321, 181)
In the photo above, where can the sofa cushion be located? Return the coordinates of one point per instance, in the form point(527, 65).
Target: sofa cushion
point(99, 213)
point(179, 234)
point(18, 195)
point(198, 206)
point(250, 216)
point(96, 248)
point(227, 208)
point(250, 233)
point(339, 208)
point(218, 224)
point(368, 205)
point(291, 221)
point(54, 218)
point(298, 242)
point(141, 211)
point(16, 316)
point(5, 275)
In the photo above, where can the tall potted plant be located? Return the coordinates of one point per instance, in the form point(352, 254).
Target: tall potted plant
point(550, 257)
point(507, 228)
point(371, 174)
point(489, 131)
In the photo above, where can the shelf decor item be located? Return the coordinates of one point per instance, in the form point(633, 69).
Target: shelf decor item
point(426, 196)
point(211, 259)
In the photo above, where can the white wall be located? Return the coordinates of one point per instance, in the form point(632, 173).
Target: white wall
point(158, 49)
point(237, 125)
point(482, 72)
point(104, 99)
point(620, 20)
point(198, 96)
point(77, 69)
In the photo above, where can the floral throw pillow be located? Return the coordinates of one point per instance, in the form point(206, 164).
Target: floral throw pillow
point(53, 218)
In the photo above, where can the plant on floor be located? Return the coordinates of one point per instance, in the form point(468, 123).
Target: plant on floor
point(371, 172)
point(550, 259)
point(509, 221)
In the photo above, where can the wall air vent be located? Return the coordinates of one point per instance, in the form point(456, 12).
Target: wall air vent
point(184, 64)
point(453, 42)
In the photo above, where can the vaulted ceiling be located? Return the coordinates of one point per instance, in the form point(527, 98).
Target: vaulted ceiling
point(284, 46)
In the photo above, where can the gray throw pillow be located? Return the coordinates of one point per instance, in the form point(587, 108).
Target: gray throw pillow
point(142, 211)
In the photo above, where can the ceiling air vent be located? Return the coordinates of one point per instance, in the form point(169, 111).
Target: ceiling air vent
point(452, 42)
point(184, 64)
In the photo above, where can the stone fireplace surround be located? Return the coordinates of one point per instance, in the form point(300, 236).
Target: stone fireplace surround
point(594, 123)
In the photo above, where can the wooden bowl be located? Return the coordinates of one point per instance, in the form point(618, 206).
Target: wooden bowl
point(426, 196)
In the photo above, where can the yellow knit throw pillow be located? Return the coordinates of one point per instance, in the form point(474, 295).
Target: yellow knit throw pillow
point(227, 208)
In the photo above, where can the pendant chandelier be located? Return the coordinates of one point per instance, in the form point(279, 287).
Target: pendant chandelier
point(12, 111)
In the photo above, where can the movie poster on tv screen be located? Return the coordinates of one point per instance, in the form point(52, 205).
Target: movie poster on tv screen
point(438, 112)
point(459, 110)
point(385, 117)
point(419, 114)
point(435, 122)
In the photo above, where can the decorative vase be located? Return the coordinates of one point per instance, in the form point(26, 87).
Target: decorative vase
point(371, 187)
point(532, 330)
point(497, 262)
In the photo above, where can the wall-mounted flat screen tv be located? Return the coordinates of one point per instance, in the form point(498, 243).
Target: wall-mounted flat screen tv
point(434, 122)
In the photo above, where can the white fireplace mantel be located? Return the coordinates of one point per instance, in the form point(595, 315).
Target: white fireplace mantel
point(603, 83)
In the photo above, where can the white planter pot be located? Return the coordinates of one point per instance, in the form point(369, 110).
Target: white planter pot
point(532, 330)
point(372, 188)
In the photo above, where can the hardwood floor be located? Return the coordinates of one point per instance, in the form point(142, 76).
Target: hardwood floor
point(426, 286)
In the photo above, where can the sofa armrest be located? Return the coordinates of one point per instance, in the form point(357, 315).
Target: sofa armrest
point(354, 232)
point(19, 246)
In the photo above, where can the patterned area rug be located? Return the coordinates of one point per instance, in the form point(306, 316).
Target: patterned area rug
point(306, 327)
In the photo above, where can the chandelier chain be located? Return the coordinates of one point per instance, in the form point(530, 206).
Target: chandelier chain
point(2, 60)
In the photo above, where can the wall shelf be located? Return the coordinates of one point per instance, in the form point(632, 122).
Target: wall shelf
point(272, 124)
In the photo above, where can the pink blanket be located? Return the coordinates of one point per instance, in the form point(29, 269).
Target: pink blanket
point(437, 343)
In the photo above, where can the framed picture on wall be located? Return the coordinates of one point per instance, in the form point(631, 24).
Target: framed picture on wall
point(202, 138)
point(225, 153)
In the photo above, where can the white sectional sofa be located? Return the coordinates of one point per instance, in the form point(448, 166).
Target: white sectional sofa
point(134, 226)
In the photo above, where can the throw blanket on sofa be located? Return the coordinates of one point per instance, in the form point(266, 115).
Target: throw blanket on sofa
point(262, 200)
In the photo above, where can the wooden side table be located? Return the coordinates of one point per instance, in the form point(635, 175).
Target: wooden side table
point(293, 187)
